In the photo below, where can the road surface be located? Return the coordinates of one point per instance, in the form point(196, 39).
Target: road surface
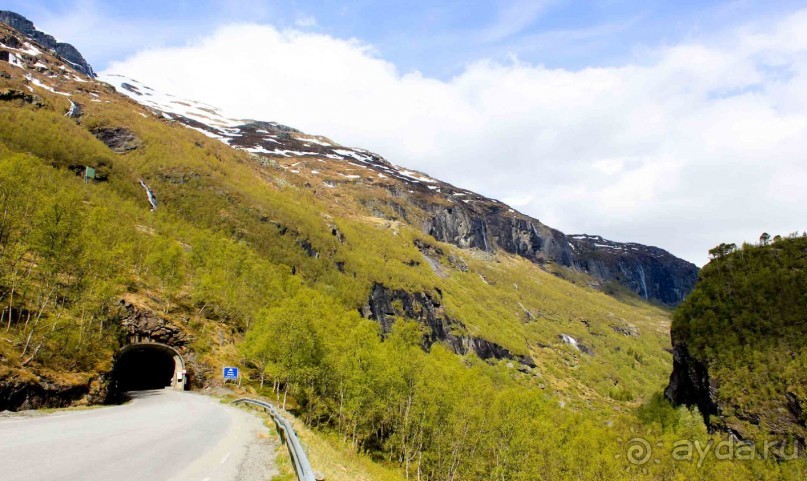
point(160, 435)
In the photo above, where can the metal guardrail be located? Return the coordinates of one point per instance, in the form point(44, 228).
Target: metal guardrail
point(298, 456)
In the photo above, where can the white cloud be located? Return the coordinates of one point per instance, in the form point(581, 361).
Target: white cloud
point(685, 147)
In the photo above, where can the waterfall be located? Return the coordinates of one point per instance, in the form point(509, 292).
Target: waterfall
point(643, 283)
point(152, 198)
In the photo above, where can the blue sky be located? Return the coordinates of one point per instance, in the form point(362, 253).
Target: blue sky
point(436, 38)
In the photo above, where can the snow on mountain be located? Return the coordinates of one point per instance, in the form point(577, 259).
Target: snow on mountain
point(258, 137)
point(171, 105)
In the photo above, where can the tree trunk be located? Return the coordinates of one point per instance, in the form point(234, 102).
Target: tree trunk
point(36, 351)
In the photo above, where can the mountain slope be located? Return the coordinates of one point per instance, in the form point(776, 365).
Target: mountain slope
point(447, 213)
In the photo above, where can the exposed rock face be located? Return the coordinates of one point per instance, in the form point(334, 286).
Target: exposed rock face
point(63, 50)
point(385, 304)
point(456, 226)
point(650, 272)
point(527, 237)
point(690, 384)
point(20, 393)
point(118, 139)
point(11, 94)
point(20, 390)
point(141, 325)
point(308, 248)
point(433, 255)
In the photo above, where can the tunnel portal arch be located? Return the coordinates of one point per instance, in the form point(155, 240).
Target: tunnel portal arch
point(149, 365)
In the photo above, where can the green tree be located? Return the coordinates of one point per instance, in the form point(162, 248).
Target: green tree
point(166, 262)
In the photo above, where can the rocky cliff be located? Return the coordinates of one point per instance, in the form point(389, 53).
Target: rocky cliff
point(63, 50)
point(385, 304)
point(690, 384)
point(650, 272)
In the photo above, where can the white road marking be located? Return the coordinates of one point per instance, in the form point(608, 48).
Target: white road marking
point(225, 458)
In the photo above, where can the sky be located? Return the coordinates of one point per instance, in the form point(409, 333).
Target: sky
point(679, 124)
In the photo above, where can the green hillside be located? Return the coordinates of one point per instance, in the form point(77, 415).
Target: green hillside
point(747, 323)
point(259, 269)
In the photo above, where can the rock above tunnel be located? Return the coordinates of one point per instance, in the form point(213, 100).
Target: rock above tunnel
point(142, 325)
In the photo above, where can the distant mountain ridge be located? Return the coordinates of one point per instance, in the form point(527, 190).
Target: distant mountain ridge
point(454, 215)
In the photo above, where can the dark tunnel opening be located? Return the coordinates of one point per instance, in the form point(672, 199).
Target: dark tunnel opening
point(144, 367)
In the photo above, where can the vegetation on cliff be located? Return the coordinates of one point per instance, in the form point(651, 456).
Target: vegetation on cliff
point(747, 322)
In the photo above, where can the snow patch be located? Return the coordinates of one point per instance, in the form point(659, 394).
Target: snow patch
point(315, 141)
point(203, 131)
point(353, 154)
point(38, 83)
point(416, 176)
point(15, 61)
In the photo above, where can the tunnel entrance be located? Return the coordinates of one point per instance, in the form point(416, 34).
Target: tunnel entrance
point(148, 366)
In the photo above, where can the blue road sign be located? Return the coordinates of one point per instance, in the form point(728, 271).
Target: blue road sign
point(230, 373)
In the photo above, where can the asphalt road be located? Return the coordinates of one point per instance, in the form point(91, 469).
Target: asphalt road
point(160, 435)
